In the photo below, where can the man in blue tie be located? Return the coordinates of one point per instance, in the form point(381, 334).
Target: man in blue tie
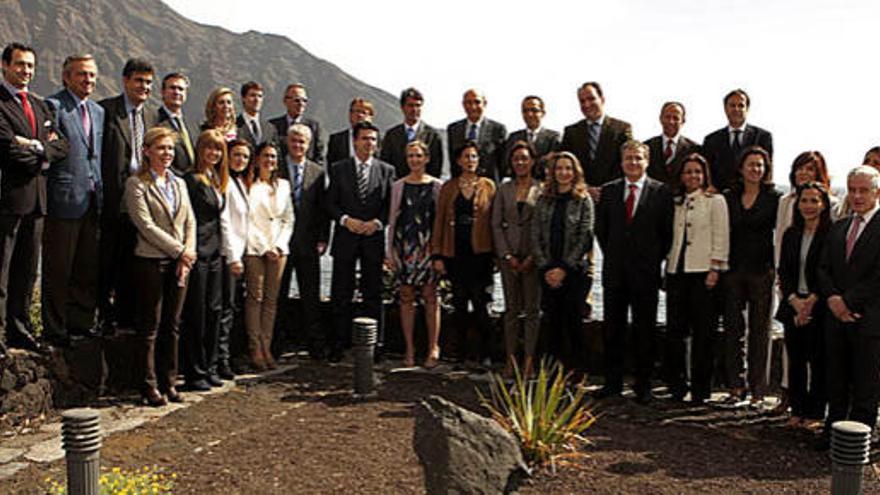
point(489, 135)
point(394, 143)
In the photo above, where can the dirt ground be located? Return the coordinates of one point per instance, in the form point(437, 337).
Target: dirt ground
point(301, 432)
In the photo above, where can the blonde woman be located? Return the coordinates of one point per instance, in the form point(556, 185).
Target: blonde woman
point(220, 113)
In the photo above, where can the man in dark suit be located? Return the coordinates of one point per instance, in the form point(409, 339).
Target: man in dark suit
point(127, 117)
point(413, 128)
point(296, 100)
point(341, 145)
point(545, 141)
point(596, 140)
point(70, 252)
point(849, 280)
point(249, 125)
point(174, 89)
point(723, 146)
point(488, 134)
point(634, 229)
point(669, 148)
point(28, 144)
point(358, 201)
point(308, 242)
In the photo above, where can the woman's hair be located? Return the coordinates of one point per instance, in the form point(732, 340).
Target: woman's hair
point(551, 187)
point(211, 113)
point(678, 189)
point(254, 173)
point(824, 217)
point(219, 177)
point(418, 143)
point(818, 161)
point(521, 145)
point(151, 136)
point(767, 178)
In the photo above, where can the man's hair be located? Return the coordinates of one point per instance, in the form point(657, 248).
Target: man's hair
point(72, 59)
point(248, 86)
point(358, 101)
point(866, 171)
point(534, 97)
point(134, 65)
point(738, 92)
point(595, 86)
point(634, 144)
point(175, 75)
point(301, 129)
point(7, 52)
point(673, 103)
point(410, 93)
point(294, 85)
point(361, 126)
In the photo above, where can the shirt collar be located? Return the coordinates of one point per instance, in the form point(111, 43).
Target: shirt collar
point(167, 177)
point(674, 139)
point(600, 120)
point(478, 123)
point(79, 101)
point(179, 114)
point(640, 184)
point(367, 162)
point(866, 218)
point(12, 89)
point(741, 128)
point(129, 106)
point(292, 163)
point(414, 127)
point(250, 118)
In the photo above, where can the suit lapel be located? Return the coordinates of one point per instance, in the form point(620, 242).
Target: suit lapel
point(13, 106)
point(867, 238)
point(154, 190)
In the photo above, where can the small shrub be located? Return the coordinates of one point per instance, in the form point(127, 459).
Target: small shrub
point(118, 481)
point(547, 418)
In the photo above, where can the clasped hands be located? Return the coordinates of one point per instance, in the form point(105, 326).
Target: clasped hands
point(361, 227)
point(803, 307)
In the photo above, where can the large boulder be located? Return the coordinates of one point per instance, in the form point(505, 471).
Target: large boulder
point(463, 452)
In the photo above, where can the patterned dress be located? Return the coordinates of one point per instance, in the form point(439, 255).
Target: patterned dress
point(412, 253)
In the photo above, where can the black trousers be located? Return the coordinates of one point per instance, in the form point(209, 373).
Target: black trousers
point(755, 291)
point(370, 251)
point(20, 237)
point(471, 278)
point(562, 311)
point(116, 292)
point(201, 318)
point(853, 373)
point(157, 319)
point(806, 367)
point(618, 301)
point(70, 274)
point(231, 339)
point(308, 273)
point(690, 312)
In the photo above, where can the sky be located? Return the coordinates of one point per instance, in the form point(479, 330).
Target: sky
point(809, 66)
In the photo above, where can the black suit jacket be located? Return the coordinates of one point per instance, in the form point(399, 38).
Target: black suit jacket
point(394, 149)
point(181, 164)
point(857, 281)
point(658, 168)
point(116, 153)
point(23, 184)
point(312, 225)
point(338, 146)
point(547, 141)
point(342, 199)
point(268, 132)
point(789, 271)
point(315, 152)
point(491, 138)
point(632, 254)
point(606, 165)
point(722, 158)
point(206, 206)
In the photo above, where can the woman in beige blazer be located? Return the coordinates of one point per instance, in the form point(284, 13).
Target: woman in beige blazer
point(698, 255)
point(159, 206)
point(511, 229)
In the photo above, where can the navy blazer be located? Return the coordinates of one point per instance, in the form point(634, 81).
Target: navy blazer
point(342, 199)
point(71, 181)
point(789, 271)
point(722, 158)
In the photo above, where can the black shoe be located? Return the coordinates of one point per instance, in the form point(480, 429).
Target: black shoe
point(225, 372)
point(214, 381)
point(677, 392)
point(606, 393)
point(173, 395)
point(198, 386)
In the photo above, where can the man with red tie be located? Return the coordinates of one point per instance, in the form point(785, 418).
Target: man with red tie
point(634, 229)
point(28, 143)
point(667, 149)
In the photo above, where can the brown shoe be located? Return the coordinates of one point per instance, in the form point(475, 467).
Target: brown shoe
point(153, 398)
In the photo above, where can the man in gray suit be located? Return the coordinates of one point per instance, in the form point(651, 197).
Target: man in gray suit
point(70, 247)
point(174, 88)
point(412, 128)
point(249, 125)
point(488, 134)
point(669, 149)
point(545, 141)
point(296, 99)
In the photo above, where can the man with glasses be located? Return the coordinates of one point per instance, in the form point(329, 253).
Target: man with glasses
point(543, 140)
point(296, 100)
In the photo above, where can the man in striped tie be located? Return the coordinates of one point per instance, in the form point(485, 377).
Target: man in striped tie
point(358, 201)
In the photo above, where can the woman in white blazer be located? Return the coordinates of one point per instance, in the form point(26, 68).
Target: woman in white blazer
point(270, 225)
point(234, 228)
point(699, 252)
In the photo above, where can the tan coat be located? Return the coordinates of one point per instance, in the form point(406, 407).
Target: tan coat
point(443, 240)
point(704, 218)
point(160, 235)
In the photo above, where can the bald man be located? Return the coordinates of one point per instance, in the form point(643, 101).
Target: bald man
point(489, 135)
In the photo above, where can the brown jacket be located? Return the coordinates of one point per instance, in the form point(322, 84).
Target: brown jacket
point(160, 234)
point(443, 240)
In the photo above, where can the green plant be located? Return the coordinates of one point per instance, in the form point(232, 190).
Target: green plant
point(119, 481)
point(547, 418)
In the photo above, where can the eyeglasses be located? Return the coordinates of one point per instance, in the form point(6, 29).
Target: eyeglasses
point(297, 99)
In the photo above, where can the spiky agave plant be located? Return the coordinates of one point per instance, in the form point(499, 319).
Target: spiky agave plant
point(547, 417)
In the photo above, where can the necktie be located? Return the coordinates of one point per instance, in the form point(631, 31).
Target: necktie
point(667, 153)
point(410, 134)
point(737, 142)
point(28, 112)
point(853, 235)
point(530, 135)
point(593, 139)
point(363, 179)
point(255, 131)
point(472, 132)
point(86, 123)
point(184, 136)
point(630, 203)
point(297, 184)
point(137, 135)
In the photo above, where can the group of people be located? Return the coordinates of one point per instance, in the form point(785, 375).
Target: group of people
point(144, 224)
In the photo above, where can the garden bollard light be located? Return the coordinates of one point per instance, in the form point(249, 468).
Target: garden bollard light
point(850, 449)
point(363, 346)
point(81, 440)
